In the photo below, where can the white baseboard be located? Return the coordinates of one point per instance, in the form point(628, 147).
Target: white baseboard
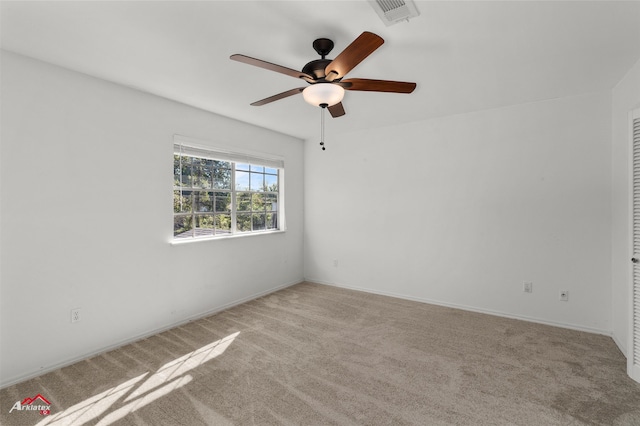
point(469, 308)
point(52, 367)
point(620, 344)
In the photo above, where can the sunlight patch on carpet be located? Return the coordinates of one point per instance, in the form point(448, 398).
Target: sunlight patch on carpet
point(165, 380)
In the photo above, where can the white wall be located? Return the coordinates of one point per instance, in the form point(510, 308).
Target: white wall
point(87, 218)
point(458, 210)
point(625, 97)
point(461, 210)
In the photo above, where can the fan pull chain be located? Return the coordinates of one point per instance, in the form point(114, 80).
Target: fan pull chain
point(322, 127)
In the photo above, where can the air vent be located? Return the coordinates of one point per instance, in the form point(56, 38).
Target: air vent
point(394, 11)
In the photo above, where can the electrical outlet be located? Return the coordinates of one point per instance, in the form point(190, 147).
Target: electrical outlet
point(564, 295)
point(527, 287)
point(335, 263)
point(75, 315)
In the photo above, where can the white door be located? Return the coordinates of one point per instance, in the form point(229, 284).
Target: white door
point(633, 358)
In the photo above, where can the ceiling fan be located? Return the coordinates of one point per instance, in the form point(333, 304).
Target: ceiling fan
point(325, 76)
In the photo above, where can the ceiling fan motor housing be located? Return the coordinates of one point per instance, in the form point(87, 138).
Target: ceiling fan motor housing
point(316, 68)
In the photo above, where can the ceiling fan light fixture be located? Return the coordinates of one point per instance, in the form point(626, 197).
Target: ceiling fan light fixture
point(323, 93)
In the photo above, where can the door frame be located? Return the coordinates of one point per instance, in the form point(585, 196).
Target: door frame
point(633, 365)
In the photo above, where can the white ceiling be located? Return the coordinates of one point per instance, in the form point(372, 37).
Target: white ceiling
point(464, 56)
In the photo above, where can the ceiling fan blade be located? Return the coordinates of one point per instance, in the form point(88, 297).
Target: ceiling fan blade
point(271, 67)
point(336, 110)
point(367, 85)
point(278, 96)
point(355, 53)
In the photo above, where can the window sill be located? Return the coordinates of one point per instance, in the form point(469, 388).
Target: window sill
point(179, 242)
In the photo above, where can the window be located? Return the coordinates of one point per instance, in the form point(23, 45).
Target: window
point(218, 193)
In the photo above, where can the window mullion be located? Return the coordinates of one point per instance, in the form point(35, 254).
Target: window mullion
point(251, 193)
point(233, 198)
point(278, 200)
point(193, 213)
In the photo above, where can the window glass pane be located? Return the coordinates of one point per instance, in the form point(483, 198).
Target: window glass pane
point(181, 170)
point(243, 167)
point(257, 182)
point(177, 173)
point(243, 201)
point(272, 221)
point(182, 226)
point(271, 171)
point(257, 202)
point(271, 183)
point(204, 226)
point(259, 221)
point(221, 164)
point(202, 173)
point(181, 201)
point(243, 222)
point(270, 202)
point(255, 168)
point(223, 223)
point(223, 201)
point(203, 201)
point(242, 181)
point(196, 173)
point(222, 177)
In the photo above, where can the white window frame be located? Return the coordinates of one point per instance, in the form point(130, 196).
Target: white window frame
point(191, 147)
